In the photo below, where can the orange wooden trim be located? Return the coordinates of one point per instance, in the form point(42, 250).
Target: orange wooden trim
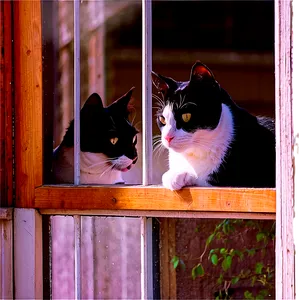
point(6, 136)
point(28, 100)
point(155, 198)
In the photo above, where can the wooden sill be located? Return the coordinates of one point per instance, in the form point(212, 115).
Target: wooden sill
point(155, 198)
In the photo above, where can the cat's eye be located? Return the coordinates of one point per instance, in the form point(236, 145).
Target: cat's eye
point(134, 140)
point(114, 140)
point(162, 120)
point(186, 117)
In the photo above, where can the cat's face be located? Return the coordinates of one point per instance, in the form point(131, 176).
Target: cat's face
point(107, 131)
point(188, 110)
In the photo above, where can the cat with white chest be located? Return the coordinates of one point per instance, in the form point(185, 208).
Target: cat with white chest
point(107, 144)
point(212, 141)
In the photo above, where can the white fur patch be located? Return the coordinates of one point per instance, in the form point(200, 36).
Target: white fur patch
point(194, 156)
point(95, 168)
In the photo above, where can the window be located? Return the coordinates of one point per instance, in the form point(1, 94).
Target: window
point(145, 201)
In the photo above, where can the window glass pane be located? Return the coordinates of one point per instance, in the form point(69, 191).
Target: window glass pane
point(110, 47)
point(110, 258)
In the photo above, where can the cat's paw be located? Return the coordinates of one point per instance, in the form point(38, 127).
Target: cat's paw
point(175, 181)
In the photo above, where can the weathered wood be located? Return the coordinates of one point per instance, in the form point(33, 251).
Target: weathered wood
point(28, 259)
point(285, 252)
point(6, 80)
point(168, 250)
point(6, 213)
point(28, 100)
point(155, 198)
point(6, 270)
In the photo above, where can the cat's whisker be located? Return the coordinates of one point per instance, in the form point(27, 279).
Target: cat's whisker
point(97, 164)
point(107, 169)
point(191, 103)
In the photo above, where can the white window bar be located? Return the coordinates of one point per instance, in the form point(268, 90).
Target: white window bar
point(76, 91)
point(147, 90)
point(146, 223)
point(146, 259)
point(77, 230)
point(77, 218)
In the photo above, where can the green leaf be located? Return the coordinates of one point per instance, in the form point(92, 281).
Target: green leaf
point(226, 228)
point(209, 239)
point(175, 261)
point(239, 254)
point(258, 268)
point(260, 236)
point(264, 293)
point(214, 259)
point(226, 264)
point(234, 280)
point(253, 279)
point(218, 235)
point(216, 250)
point(197, 271)
point(250, 252)
point(248, 295)
point(220, 279)
point(223, 251)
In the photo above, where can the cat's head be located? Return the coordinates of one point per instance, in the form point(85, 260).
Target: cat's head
point(187, 107)
point(107, 131)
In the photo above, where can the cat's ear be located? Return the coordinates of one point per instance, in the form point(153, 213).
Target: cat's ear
point(159, 82)
point(201, 71)
point(123, 105)
point(94, 101)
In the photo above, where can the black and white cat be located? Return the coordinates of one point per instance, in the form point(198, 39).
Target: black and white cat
point(211, 140)
point(107, 143)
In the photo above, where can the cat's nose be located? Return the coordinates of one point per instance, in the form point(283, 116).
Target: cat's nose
point(169, 138)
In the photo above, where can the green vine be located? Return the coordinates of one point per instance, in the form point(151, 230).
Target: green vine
point(258, 273)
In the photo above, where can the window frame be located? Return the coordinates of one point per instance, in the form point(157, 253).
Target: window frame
point(31, 193)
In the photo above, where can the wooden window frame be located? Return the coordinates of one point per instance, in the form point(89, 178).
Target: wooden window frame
point(152, 200)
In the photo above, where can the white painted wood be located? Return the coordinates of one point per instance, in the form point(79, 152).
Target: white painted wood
point(6, 262)
point(28, 262)
point(162, 214)
point(77, 232)
point(144, 262)
point(76, 91)
point(146, 259)
point(149, 252)
point(285, 252)
point(147, 90)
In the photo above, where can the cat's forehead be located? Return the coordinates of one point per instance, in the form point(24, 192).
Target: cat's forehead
point(181, 87)
point(119, 123)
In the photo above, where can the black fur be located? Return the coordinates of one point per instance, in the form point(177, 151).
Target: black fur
point(250, 159)
point(99, 124)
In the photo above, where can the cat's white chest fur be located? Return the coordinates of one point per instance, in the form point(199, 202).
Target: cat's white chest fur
point(93, 168)
point(193, 157)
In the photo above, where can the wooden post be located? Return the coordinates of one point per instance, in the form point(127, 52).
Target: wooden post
point(28, 100)
point(28, 259)
point(6, 76)
point(285, 252)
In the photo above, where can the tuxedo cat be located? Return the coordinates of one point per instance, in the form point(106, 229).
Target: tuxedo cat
point(211, 140)
point(107, 143)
